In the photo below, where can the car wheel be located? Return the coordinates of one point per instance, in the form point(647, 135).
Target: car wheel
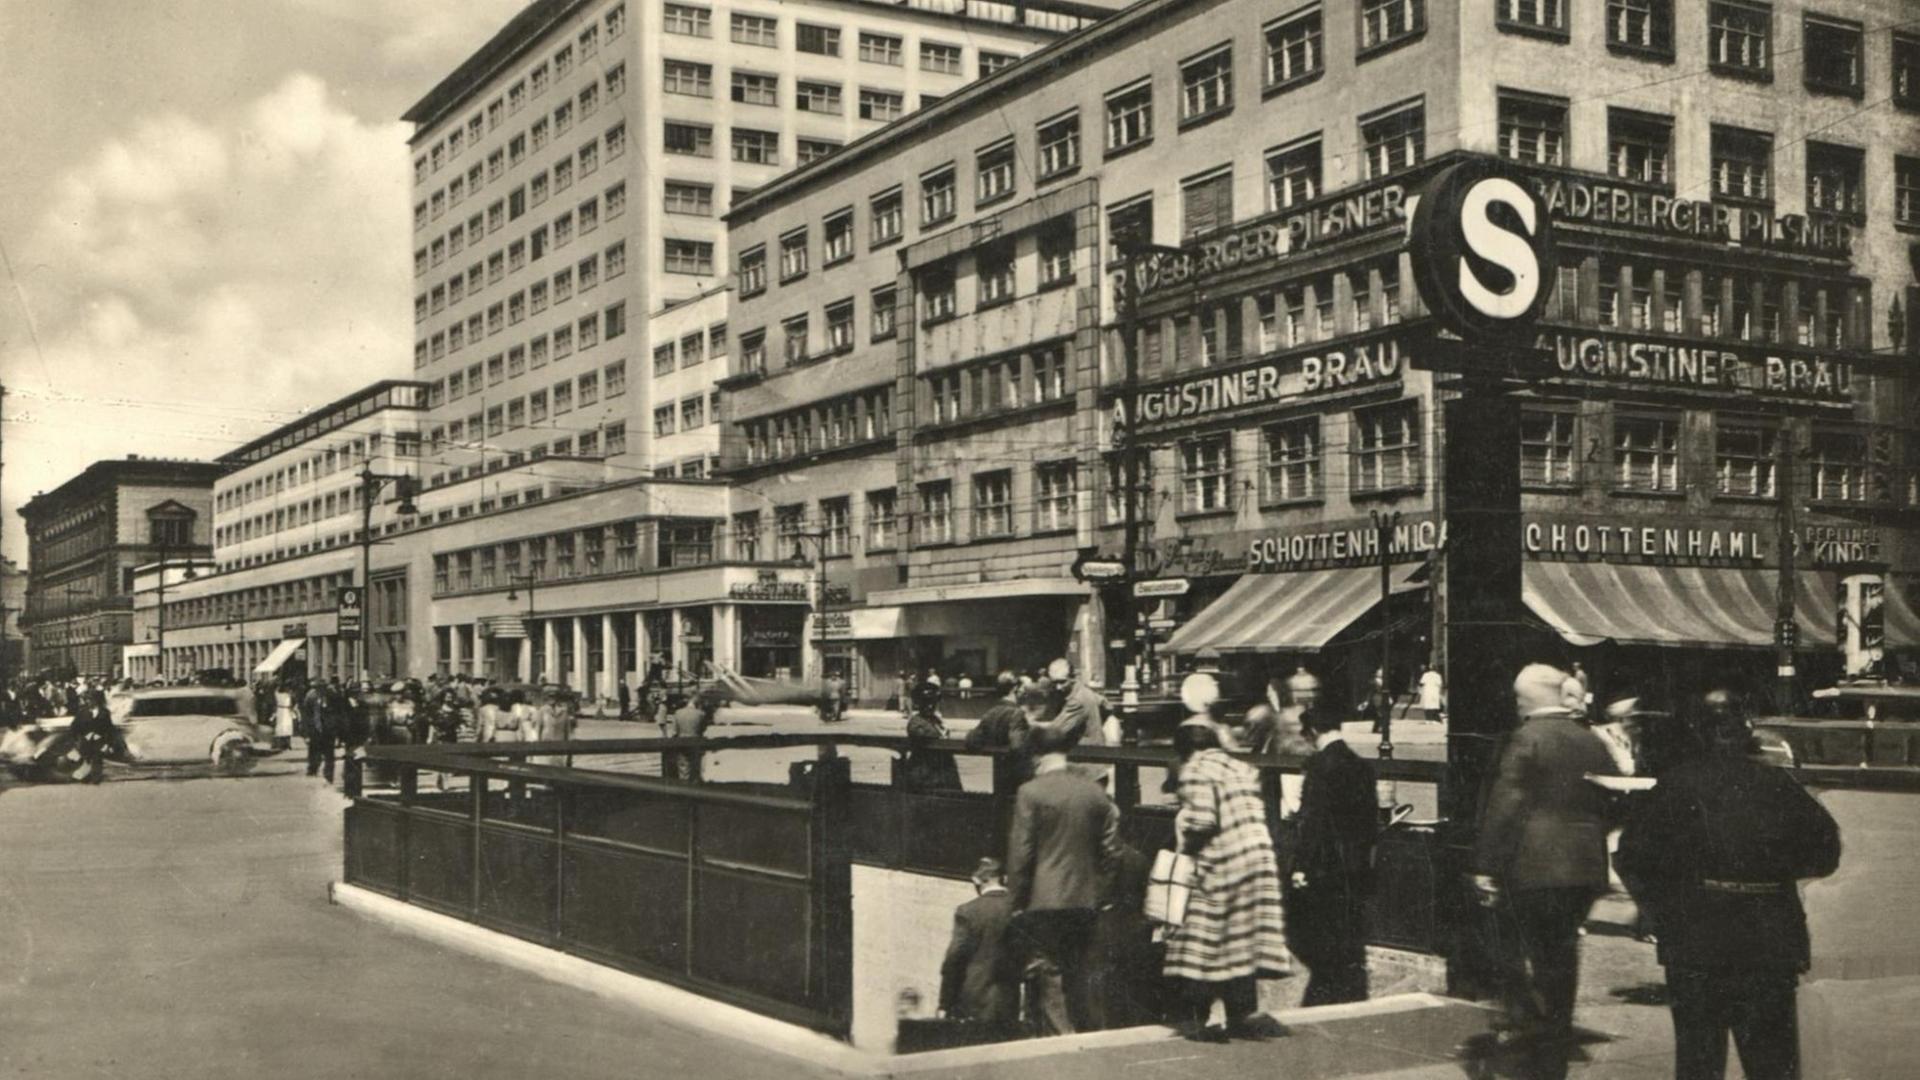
point(232, 754)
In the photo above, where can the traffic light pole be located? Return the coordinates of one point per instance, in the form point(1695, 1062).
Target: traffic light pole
point(370, 485)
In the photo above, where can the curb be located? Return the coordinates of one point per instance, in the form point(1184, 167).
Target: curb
point(693, 1012)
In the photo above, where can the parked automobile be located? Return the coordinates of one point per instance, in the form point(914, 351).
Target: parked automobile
point(186, 725)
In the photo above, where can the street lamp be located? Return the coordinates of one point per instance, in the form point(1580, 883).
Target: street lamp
point(513, 582)
point(819, 604)
point(1385, 526)
point(370, 484)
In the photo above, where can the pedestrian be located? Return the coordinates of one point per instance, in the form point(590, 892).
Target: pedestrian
point(1614, 726)
point(1539, 863)
point(320, 714)
point(353, 729)
point(686, 716)
point(1125, 987)
point(626, 699)
point(1065, 837)
point(1331, 871)
point(94, 735)
point(1004, 725)
point(285, 713)
point(1234, 930)
point(1083, 712)
point(14, 710)
point(1433, 700)
point(1716, 850)
point(979, 978)
point(926, 767)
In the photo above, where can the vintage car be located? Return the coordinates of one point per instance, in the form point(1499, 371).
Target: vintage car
point(186, 725)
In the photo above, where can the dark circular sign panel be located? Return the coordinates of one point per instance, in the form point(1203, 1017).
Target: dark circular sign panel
point(1482, 250)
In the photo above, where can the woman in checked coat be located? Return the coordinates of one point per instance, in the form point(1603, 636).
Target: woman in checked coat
point(1234, 930)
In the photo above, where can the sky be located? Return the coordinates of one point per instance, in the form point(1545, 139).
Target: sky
point(204, 213)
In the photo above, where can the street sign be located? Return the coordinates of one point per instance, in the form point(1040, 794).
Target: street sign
point(1161, 587)
point(1481, 240)
point(349, 617)
point(1099, 568)
point(1162, 624)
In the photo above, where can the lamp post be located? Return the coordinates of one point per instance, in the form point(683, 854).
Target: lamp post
point(1134, 249)
point(1385, 526)
point(819, 599)
point(514, 581)
point(370, 484)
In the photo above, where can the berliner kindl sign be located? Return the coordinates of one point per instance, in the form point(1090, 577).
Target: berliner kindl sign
point(1481, 243)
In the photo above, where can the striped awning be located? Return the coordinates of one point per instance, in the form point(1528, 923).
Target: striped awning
point(503, 626)
point(1587, 603)
point(1300, 611)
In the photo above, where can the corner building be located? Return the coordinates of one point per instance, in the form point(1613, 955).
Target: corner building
point(930, 366)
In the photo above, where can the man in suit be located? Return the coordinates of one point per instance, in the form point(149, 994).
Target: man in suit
point(978, 980)
point(1715, 851)
point(1539, 863)
point(1332, 871)
point(1065, 839)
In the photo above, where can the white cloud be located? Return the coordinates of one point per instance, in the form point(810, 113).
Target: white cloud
point(232, 269)
point(439, 31)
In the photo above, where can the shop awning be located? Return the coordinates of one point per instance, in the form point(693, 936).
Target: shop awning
point(503, 626)
point(1298, 611)
point(1587, 603)
point(982, 590)
point(876, 623)
point(280, 655)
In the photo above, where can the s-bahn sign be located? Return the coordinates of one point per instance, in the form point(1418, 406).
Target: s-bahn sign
point(1481, 243)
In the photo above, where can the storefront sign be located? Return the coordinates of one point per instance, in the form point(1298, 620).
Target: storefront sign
point(1162, 587)
point(1719, 366)
point(1285, 378)
point(768, 590)
point(1194, 556)
point(1264, 241)
point(1358, 544)
point(293, 630)
point(833, 624)
point(1583, 200)
point(1482, 250)
point(769, 638)
point(1606, 542)
point(1840, 545)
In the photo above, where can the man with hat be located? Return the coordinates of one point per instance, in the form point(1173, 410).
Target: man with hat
point(978, 978)
point(1539, 862)
point(1716, 850)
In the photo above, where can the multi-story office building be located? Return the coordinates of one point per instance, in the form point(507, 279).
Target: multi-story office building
point(84, 539)
point(1735, 205)
point(690, 347)
point(554, 212)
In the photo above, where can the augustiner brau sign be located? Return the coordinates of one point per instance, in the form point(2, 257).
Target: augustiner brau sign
point(1692, 363)
point(1354, 363)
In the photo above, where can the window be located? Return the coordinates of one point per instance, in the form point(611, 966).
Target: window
point(753, 271)
point(880, 49)
point(1206, 474)
point(887, 216)
point(681, 77)
point(993, 267)
point(693, 412)
point(616, 259)
point(883, 105)
point(1206, 85)
point(1743, 455)
point(1395, 138)
point(755, 30)
point(1533, 16)
point(686, 543)
point(819, 40)
point(563, 118)
point(1059, 141)
point(756, 147)
point(940, 59)
point(1832, 49)
point(1056, 255)
point(1906, 191)
point(936, 284)
point(1742, 164)
point(1834, 180)
point(1293, 48)
point(1292, 469)
point(839, 238)
point(936, 512)
point(1640, 147)
point(753, 351)
point(840, 326)
point(993, 504)
point(615, 321)
point(993, 172)
point(693, 351)
point(1533, 128)
point(1130, 222)
point(687, 19)
point(1906, 71)
point(817, 97)
point(796, 339)
point(663, 420)
point(688, 198)
point(1641, 26)
point(793, 255)
point(1839, 466)
point(1385, 22)
point(615, 374)
point(1130, 117)
point(1386, 452)
point(1740, 38)
point(809, 150)
point(1206, 204)
point(1646, 455)
point(1049, 374)
point(693, 140)
point(944, 397)
point(881, 303)
point(1547, 446)
point(881, 520)
point(689, 256)
point(1293, 173)
point(936, 197)
point(753, 88)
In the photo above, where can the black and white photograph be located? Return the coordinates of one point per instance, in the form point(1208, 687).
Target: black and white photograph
point(960, 539)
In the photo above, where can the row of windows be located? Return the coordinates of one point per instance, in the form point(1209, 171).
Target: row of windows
point(530, 196)
point(600, 549)
point(531, 410)
point(317, 465)
point(595, 442)
point(824, 425)
point(579, 278)
point(691, 413)
point(694, 348)
point(691, 20)
point(1002, 384)
point(307, 595)
point(750, 146)
point(543, 74)
point(581, 221)
point(515, 151)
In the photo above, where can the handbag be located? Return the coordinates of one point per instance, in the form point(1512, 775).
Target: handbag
point(1169, 887)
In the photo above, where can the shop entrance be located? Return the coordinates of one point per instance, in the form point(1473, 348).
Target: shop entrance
point(770, 641)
